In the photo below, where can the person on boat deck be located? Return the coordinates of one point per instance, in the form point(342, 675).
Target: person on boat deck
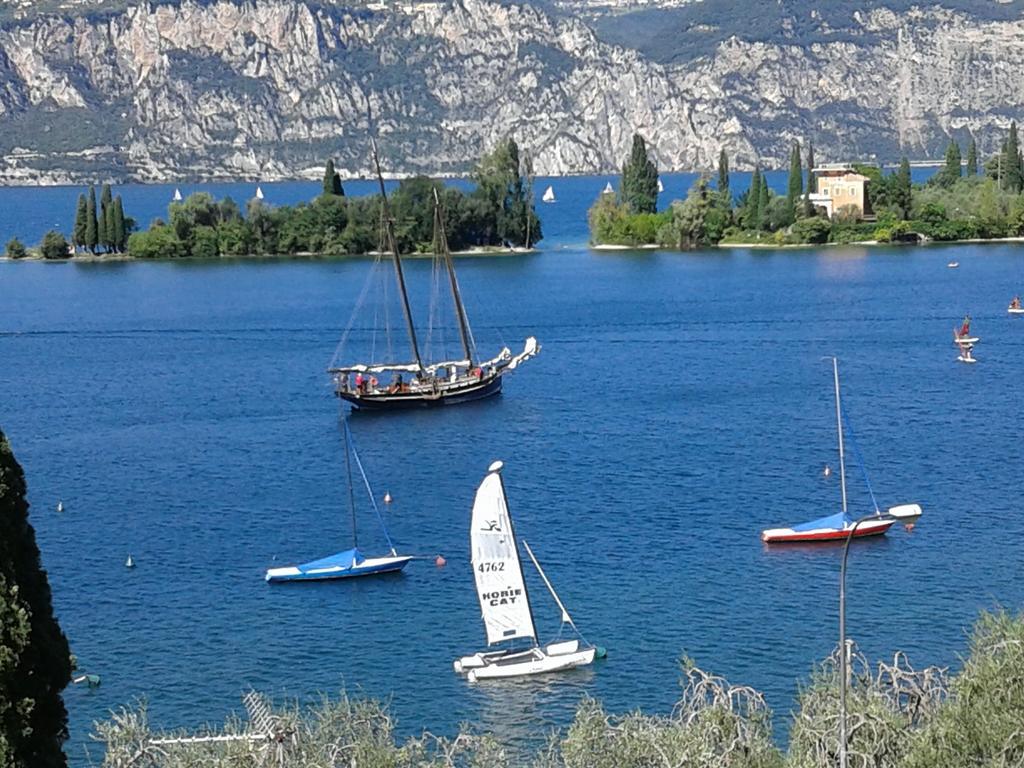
point(1015, 304)
point(478, 372)
point(360, 383)
point(396, 384)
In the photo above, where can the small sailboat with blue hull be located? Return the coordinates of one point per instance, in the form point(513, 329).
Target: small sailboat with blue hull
point(352, 562)
point(838, 526)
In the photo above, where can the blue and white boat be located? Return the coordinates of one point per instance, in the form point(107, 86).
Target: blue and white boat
point(352, 562)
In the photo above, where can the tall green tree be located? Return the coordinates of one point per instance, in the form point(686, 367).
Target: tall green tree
point(104, 222)
point(811, 181)
point(902, 194)
point(120, 227)
point(972, 159)
point(329, 175)
point(795, 187)
point(640, 179)
point(762, 204)
point(1013, 179)
point(78, 233)
point(502, 199)
point(950, 173)
point(723, 172)
point(35, 662)
point(91, 227)
point(751, 211)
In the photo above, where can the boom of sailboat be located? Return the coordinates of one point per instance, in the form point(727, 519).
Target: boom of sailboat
point(442, 382)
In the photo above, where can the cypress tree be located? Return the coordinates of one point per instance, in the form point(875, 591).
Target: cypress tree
point(762, 204)
point(329, 177)
point(120, 230)
point(1012, 178)
point(91, 229)
point(950, 173)
point(972, 159)
point(336, 186)
point(751, 213)
point(78, 233)
point(35, 660)
point(795, 187)
point(902, 193)
point(723, 171)
point(811, 185)
point(103, 225)
point(640, 179)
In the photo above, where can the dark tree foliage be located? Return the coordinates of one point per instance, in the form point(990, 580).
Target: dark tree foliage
point(78, 234)
point(54, 246)
point(91, 227)
point(795, 186)
point(35, 662)
point(120, 233)
point(762, 205)
point(902, 189)
point(950, 173)
point(1013, 179)
point(105, 223)
point(336, 188)
point(15, 249)
point(723, 171)
point(640, 179)
point(328, 186)
point(501, 200)
point(811, 181)
point(972, 159)
point(751, 213)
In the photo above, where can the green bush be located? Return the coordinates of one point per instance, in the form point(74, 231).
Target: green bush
point(813, 229)
point(15, 249)
point(205, 244)
point(158, 242)
point(54, 246)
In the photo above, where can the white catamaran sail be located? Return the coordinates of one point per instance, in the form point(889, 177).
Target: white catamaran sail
point(504, 600)
point(549, 195)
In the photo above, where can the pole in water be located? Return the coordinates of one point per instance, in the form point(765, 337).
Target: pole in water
point(440, 562)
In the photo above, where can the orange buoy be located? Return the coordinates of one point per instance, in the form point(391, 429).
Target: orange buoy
point(440, 562)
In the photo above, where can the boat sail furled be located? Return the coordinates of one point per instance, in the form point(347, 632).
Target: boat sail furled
point(504, 599)
point(447, 381)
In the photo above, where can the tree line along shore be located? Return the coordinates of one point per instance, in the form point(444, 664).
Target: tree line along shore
point(497, 214)
point(969, 200)
point(962, 201)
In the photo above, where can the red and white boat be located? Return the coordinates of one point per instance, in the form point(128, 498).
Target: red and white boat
point(837, 526)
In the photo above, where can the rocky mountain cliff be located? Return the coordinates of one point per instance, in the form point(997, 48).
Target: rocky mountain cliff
point(270, 88)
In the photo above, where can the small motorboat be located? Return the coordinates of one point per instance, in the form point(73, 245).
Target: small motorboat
point(953, 264)
point(1015, 308)
point(838, 526)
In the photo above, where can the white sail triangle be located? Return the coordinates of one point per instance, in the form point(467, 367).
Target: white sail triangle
point(549, 195)
point(504, 603)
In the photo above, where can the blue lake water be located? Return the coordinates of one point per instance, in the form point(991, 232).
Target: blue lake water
point(680, 405)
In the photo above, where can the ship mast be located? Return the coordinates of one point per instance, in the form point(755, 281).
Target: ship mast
point(389, 227)
point(441, 239)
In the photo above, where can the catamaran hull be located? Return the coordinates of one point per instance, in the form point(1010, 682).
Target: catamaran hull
point(453, 395)
point(368, 567)
point(788, 535)
point(537, 661)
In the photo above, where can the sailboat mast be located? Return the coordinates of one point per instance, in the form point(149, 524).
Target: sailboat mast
point(522, 576)
point(839, 426)
point(393, 245)
point(351, 488)
point(460, 310)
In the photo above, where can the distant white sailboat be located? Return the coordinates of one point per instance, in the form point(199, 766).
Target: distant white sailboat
point(504, 602)
point(129, 563)
point(608, 189)
point(661, 187)
point(549, 195)
point(177, 195)
point(259, 193)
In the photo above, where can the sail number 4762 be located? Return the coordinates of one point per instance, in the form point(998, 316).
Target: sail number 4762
point(490, 567)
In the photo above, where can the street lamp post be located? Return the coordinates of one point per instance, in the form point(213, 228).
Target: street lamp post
point(907, 514)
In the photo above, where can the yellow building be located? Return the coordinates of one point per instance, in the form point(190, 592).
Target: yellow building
point(838, 187)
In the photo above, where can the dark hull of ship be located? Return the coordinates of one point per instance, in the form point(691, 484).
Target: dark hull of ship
point(400, 401)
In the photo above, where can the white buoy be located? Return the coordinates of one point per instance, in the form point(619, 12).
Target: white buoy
point(387, 497)
point(827, 471)
point(60, 505)
point(129, 563)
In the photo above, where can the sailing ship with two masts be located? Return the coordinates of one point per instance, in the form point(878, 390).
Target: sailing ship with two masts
point(419, 382)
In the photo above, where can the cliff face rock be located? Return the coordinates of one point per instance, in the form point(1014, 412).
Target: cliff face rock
point(270, 88)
